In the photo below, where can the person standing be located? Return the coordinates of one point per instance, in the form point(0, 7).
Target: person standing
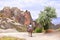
point(30, 30)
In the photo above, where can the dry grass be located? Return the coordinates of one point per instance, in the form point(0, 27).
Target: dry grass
point(10, 38)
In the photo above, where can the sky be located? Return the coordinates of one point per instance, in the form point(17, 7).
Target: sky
point(56, 21)
point(34, 6)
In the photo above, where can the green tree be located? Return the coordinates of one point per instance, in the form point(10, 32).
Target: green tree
point(46, 16)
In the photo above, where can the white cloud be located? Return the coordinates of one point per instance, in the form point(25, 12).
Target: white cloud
point(13, 3)
point(34, 14)
point(35, 6)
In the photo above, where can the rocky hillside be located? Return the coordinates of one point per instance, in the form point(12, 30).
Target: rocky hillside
point(22, 17)
point(14, 18)
point(7, 23)
point(55, 26)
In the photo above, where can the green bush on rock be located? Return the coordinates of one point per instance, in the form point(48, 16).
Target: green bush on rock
point(38, 30)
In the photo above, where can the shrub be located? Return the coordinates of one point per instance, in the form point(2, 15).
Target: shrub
point(38, 30)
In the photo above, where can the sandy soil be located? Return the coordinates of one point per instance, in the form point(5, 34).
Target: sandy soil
point(36, 36)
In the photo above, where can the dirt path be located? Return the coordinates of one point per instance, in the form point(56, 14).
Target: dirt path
point(36, 36)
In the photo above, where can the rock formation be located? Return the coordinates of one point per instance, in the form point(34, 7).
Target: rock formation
point(17, 15)
point(28, 18)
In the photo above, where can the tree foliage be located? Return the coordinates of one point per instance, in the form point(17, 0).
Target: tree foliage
point(45, 17)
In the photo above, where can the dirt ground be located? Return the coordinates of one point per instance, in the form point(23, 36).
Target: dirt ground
point(36, 36)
